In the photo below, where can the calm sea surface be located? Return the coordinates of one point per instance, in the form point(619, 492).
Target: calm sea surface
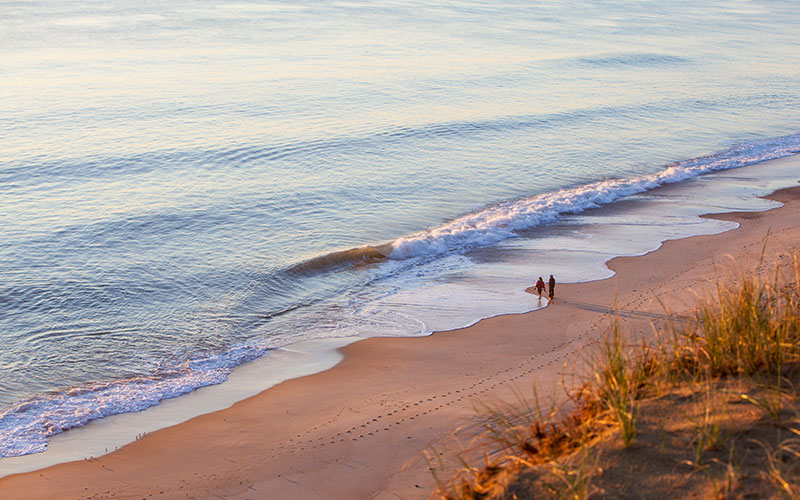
point(185, 186)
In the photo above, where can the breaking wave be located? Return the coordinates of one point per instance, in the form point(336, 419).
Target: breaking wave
point(502, 221)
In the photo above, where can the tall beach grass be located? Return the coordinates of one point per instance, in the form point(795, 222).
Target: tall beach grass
point(748, 327)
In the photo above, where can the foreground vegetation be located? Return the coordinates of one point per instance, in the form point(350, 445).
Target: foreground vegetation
point(705, 408)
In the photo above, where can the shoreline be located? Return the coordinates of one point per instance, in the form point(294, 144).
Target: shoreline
point(587, 234)
point(327, 435)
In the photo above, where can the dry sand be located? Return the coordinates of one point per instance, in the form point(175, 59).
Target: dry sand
point(360, 430)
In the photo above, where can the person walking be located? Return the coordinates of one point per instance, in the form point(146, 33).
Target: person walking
point(540, 287)
point(551, 287)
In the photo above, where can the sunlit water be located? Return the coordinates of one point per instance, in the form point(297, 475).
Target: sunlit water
point(187, 186)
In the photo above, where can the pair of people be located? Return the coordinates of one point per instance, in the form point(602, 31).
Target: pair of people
point(551, 287)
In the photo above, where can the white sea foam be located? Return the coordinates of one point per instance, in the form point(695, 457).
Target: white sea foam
point(501, 221)
point(27, 426)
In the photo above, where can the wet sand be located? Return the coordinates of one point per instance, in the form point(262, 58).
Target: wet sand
point(362, 428)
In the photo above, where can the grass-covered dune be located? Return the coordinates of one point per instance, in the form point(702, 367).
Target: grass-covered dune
point(702, 407)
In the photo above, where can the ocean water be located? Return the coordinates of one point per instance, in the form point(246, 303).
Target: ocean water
point(188, 186)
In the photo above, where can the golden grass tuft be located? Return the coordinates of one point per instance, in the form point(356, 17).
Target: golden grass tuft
point(745, 338)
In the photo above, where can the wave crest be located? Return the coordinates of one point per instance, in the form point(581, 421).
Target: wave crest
point(501, 221)
point(335, 260)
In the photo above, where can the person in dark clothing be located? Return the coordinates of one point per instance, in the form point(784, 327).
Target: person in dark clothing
point(540, 287)
point(551, 287)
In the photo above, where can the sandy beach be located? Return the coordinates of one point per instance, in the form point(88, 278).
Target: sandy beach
point(362, 429)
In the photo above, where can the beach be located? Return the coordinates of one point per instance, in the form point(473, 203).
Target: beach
point(363, 428)
point(203, 200)
point(277, 249)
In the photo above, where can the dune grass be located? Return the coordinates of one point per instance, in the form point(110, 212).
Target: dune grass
point(729, 376)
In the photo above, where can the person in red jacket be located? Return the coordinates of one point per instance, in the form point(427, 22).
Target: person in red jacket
point(540, 287)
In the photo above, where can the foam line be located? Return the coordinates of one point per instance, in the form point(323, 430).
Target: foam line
point(27, 426)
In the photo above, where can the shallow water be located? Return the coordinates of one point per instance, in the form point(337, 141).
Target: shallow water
point(175, 176)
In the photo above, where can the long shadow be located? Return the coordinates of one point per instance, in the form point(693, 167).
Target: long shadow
point(623, 313)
